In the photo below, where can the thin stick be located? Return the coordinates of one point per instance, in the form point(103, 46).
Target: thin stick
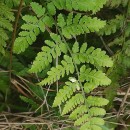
point(45, 101)
point(106, 47)
point(117, 123)
point(123, 102)
point(14, 36)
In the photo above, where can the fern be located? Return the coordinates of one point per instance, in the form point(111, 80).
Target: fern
point(10, 3)
point(14, 3)
point(82, 5)
point(81, 62)
point(38, 9)
point(96, 101)
point(31, 28)
point(54, 49)
point(58, 72)
point(65, 93)
point(117, 41)
point(68, 65)
point(83, 111)
point(115, 3)
point(17, 67)
point(32, 103)
point(120, 40)
point(78, 25)
point(93, 76)
point(112, 25)
point(94, 124)
point(72, 103)
point(63, 24)
point(95, 111)
point(77, 112)
point(4, 83)
point(126, 48)
point(6, 17)
point(90, 55)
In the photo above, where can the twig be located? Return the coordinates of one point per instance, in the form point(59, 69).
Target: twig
point(125, 127)
point(57, 83)
point(45, 101)
point(117, 123)
point(123, 102)
point(106, 47)
point(6, 120)
point(14, 36)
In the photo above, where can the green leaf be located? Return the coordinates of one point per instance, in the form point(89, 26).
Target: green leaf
point(38, 9)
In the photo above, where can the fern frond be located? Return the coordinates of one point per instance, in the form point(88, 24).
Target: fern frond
point(91, 55)
point(38, 9)
point(65, 93)
point(17, 67)
point(6, 17)
point(3, 39)
point(11, 3)
point(115, 3)
point(59, 71)
point(93, 124)
point(93, 76)
point(112, 25)
point(82, 5)
point(32, 28)
point(29, 101)
point(76, 25)
point(72, 103)
point(3, 35)
point(127, 31)
point(78, 112)
point(116, 41)
point(28, 35)
point(88, 122)
point(97, 121)
point(95, 111)
point(120, 40)
point(127, 48)
point(6, 12)
point(83, 109)
point(82, 120)
point(51, 51)
point(88, 87)
point(84, 112)
point(5, 24)
point(4, 83)
point(96, 101)
point(51, 8)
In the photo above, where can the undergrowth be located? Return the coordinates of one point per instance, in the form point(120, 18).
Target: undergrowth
point(75, 47)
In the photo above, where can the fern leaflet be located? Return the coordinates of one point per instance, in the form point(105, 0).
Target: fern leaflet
point(54, 48)
point(96, 57)
point(60, 70)
point(78, 25)
point(82, 5)
point(6, 17)
point(115, 3)
point(112, 25)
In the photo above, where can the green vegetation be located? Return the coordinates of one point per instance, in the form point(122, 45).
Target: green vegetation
point(63, 63)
